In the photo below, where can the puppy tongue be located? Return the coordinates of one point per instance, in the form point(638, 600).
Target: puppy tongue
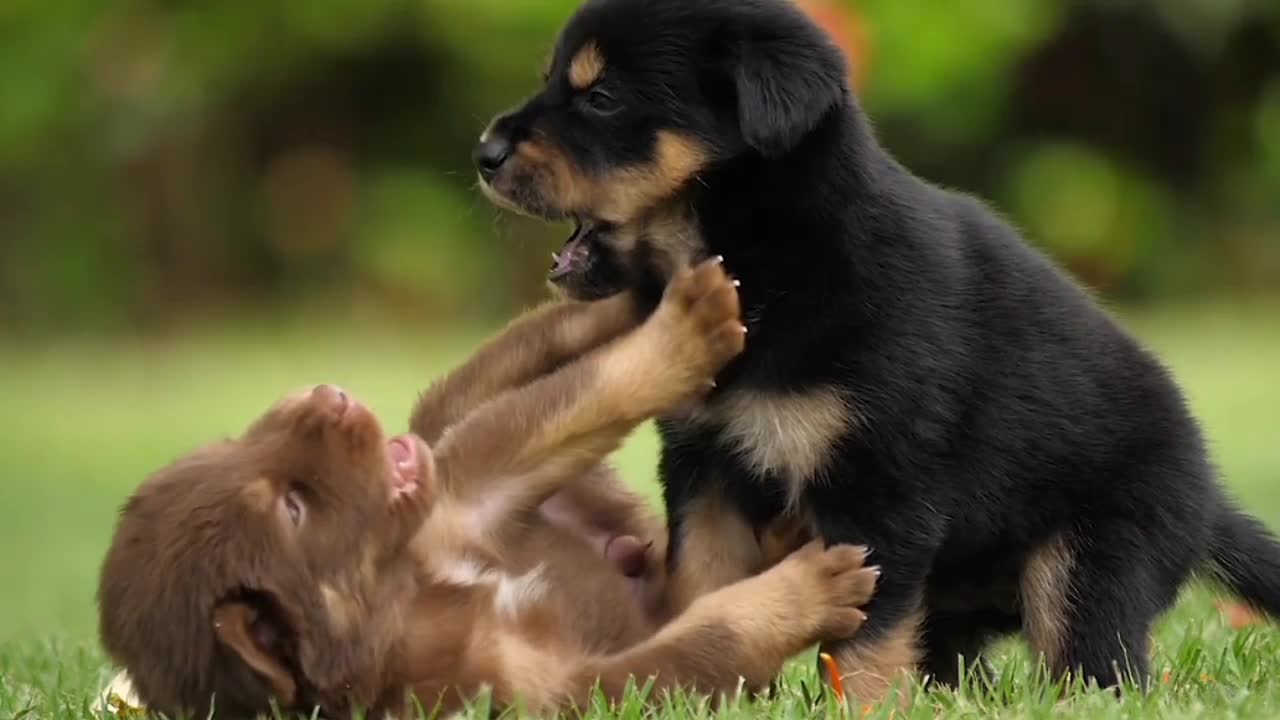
point(574, 251)
point(404, 456)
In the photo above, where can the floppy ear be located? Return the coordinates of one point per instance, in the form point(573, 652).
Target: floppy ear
point(257, 637)
point(786, 79)
point(344, 660)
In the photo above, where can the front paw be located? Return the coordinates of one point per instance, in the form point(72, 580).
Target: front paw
point(700, 320)
point(832, 583)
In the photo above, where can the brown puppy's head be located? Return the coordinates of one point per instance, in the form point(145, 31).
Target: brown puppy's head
point(645, 100)
point(267, 566)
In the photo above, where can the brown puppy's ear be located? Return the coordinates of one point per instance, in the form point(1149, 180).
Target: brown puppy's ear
point(787, 76)
point(343, 655)
point(256, 637)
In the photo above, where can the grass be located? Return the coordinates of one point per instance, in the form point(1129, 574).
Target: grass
point(86, 419)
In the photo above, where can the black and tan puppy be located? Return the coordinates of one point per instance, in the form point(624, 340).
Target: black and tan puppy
point(919, 379)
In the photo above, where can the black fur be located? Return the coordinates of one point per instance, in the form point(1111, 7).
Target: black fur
point(998, 406)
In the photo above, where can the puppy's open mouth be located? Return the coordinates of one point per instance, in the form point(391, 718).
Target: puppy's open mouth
point(578, 253)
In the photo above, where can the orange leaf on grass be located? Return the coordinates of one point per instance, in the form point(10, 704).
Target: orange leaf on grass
point(833, 672)
point(1238, 615)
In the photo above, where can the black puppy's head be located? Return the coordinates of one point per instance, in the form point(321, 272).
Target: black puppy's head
point(643, 98)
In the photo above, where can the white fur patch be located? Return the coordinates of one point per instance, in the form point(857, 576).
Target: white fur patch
point(792, 435)
point(491, 510)
point(511, 594)
point(515, 594)
point(118, 698)
point(465, 573)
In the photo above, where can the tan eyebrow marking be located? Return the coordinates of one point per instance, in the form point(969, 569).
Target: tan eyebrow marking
point(586, 67)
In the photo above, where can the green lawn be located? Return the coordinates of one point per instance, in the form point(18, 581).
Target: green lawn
point(85, 420)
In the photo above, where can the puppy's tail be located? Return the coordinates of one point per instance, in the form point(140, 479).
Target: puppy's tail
point(1245, 557)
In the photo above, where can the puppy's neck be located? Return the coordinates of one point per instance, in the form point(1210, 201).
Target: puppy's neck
point(386, 614)
point(430, 657)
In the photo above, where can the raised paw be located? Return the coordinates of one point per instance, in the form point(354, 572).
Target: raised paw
point(837, 583)
point(701, 317)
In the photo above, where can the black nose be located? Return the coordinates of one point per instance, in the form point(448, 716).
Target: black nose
point(490, 154)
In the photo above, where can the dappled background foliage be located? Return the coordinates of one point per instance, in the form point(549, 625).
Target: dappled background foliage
point(206, 203)
point(162, 160)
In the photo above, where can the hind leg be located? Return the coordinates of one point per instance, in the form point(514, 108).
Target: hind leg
point(950, 636)
point(1089, 604)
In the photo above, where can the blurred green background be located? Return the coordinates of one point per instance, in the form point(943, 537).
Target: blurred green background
point(204, 204)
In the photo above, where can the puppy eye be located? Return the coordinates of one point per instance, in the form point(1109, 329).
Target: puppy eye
point(601, 102)
point(294, 508)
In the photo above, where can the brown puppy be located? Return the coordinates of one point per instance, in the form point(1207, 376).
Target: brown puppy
point(596, 506)
point(315, 563)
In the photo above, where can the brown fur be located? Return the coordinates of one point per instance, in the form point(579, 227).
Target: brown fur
point(669, 233)
point(873, 670)
point(725, 550)
point(741, 634)
point(538, 342)
point(623, 193)
point(620, 195)
point(716, 535)
point(461, 582)
point(734, 550)
point(1045, 595)
point(784, 535)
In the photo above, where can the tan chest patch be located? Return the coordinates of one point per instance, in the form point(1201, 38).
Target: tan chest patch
point(791, 435)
